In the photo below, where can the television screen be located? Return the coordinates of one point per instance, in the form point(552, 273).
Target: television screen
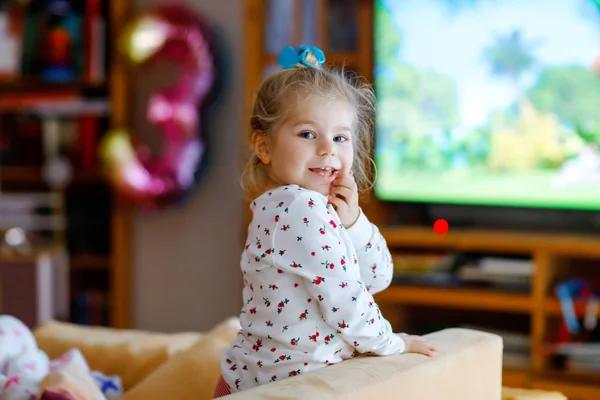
point(488, 102)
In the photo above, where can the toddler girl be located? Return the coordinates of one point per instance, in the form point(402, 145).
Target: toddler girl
point(312, 260)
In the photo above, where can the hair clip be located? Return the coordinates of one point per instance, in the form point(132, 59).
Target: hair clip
point(308, 56)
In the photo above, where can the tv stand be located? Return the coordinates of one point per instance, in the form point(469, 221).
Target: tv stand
point(415, 214)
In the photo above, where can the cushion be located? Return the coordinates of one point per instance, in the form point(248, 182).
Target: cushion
point(129, 354)
point(71, 381)
point(192, 374)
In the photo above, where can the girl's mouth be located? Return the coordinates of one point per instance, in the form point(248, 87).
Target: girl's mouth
point(324, 171)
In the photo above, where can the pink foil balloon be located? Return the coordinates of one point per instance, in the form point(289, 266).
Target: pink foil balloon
point(176, 34)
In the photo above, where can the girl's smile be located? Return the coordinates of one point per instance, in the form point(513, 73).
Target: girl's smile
point(312, 146)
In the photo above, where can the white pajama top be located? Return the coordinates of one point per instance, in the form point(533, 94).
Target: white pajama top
point(308, 286)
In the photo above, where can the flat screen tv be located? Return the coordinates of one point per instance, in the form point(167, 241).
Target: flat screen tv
point(488, 102)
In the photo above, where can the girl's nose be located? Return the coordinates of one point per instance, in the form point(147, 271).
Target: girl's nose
point(326, 148)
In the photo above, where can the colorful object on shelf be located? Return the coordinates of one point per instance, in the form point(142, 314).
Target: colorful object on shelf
point(173, 33)
point(60, 44)
point(308, 56)
point(578, 289)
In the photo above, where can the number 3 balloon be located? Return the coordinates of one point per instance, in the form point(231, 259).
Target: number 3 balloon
point(176, 34)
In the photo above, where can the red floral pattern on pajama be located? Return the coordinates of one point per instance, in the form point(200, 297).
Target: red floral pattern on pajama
point(308, 291)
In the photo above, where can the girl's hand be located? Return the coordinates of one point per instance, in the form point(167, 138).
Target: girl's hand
point(344, 197)
point(417, 344)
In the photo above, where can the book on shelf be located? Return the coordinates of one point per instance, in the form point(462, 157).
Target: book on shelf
point(62, 41)
point(90, 307)
point(79, 125)
point(578, 357)
point(503, 266)
point(460, 270)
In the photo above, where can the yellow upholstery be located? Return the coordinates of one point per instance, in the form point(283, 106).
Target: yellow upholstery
point(189, 375)
point(468, 367)
point(131, 355)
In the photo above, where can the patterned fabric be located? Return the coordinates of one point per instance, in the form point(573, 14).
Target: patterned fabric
point(110, 386)
point(222, 389)
point(23, 366)
point(308, 286)
point(71, 356)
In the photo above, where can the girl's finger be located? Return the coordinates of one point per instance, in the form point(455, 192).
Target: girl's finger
point(346, 181)
point(343, 188)
point(343, 192)
point(335, 201)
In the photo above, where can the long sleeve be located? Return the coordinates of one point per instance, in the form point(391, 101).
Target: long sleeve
point(374, 258)
point(309, 243)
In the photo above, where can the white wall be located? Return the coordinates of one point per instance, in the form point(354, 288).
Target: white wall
point(186, 261)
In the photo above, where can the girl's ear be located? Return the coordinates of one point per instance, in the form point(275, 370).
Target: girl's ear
point(260, 142)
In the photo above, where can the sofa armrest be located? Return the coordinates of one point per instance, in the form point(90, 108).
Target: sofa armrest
point(468, 367)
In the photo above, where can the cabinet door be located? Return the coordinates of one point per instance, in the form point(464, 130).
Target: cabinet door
point(35, 289)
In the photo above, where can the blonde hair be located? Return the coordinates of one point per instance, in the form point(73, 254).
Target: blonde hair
point(274, 101)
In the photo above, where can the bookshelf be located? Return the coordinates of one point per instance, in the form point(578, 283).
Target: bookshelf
point(344, 31)
point(96, 238)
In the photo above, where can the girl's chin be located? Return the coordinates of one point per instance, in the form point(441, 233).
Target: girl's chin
point(323, 189)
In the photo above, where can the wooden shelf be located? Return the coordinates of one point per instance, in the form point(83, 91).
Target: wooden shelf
point(575, 387)
point(20, 85)
point(466, 298)
point(9, 256)
point(514, 377)
point(495, 241)
point(573, 377)
point(566, 382)
point(471, 299)
point(34, 175)
point(89, 262)
point(22, 94)
point(553, 307)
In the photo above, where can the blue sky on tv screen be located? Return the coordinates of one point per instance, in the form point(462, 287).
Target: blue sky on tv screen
point(451, 40)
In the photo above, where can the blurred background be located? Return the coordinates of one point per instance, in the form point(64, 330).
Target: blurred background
point(123, 130)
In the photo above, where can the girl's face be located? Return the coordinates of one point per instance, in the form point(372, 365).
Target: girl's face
point(312, 147)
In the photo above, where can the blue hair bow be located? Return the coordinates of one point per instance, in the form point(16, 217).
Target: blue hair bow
point(309, 56)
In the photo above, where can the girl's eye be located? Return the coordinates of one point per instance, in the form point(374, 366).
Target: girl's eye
point(340, 139)
point(307, 135)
